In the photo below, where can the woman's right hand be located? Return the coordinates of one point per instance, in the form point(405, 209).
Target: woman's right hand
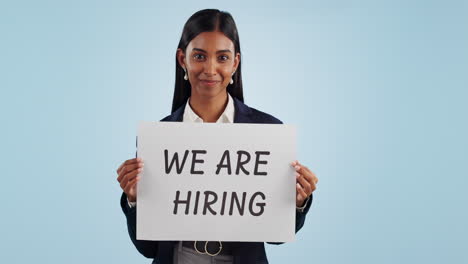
point(128, 176)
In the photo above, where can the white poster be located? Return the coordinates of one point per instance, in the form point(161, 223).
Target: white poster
point(216, 182)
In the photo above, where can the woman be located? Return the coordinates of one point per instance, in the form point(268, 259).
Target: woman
point(208, 88)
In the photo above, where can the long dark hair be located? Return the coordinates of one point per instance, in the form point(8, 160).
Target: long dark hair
point(207, 20)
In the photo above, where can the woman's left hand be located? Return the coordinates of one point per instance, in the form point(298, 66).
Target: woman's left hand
point(306, 183)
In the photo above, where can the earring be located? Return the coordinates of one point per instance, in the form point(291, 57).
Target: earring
point(232, 81)
point(185, 76)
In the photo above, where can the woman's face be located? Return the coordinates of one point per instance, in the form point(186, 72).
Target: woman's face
point(210, 62)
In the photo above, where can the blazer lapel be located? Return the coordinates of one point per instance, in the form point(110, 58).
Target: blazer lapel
point(177, 116)
point(242, 112)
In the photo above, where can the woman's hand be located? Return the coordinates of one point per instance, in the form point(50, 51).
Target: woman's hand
point(306, 182)
point(128, 177)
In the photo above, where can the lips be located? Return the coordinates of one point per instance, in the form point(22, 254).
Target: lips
point(209, 82)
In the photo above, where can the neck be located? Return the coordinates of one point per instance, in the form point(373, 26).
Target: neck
point(209, 108)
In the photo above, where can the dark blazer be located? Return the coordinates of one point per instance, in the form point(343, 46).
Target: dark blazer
point(243, 252)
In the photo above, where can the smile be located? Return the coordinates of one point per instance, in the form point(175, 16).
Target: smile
point(209, 82)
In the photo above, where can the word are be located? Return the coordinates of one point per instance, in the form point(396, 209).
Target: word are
point(227, 205)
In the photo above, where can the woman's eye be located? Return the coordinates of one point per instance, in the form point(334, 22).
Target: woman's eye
point(199, 56)
point(223, 58)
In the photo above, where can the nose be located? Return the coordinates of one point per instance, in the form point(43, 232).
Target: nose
point(210, 68)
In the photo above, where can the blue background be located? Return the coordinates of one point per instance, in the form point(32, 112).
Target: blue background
point(378, 90)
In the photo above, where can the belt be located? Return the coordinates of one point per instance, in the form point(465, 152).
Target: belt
point(211, 248)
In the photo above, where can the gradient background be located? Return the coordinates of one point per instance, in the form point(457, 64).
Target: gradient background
point(378, 90)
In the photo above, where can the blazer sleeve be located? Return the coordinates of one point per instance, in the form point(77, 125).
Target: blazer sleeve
point(300, 216)
point(300, 219)
point(147, 248)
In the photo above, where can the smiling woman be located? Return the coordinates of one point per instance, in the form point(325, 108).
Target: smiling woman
point(208, 88)
point(210, 62)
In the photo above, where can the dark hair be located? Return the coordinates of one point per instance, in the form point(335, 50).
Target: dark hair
point(207, 20)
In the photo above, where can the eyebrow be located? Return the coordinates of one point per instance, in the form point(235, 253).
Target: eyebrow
point(219, 51)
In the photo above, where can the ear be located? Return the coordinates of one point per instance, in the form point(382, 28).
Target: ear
point(181, 58)
point(236, 61)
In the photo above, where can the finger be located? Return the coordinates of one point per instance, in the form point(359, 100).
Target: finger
point(302, 165)
point(128, 177)
point(301, 191)
point(131, 184)
point(299, 200)
point(310, 182)
point(305, 168)
point(315, 179)
point(310, 175)
point(307, 175)
point(128, 162)
point(302, 170)
point(313, 187)
point(129, 168)
point(304, 184)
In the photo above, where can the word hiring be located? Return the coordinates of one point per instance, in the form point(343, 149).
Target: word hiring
point(227, 207)
point(243, 157)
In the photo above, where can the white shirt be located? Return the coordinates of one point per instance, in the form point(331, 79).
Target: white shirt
point(191, 117)
point(226, 117)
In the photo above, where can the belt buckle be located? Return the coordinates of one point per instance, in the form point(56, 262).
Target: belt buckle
point(206, 248)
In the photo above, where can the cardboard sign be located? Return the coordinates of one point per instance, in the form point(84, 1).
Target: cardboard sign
point(216, 182)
